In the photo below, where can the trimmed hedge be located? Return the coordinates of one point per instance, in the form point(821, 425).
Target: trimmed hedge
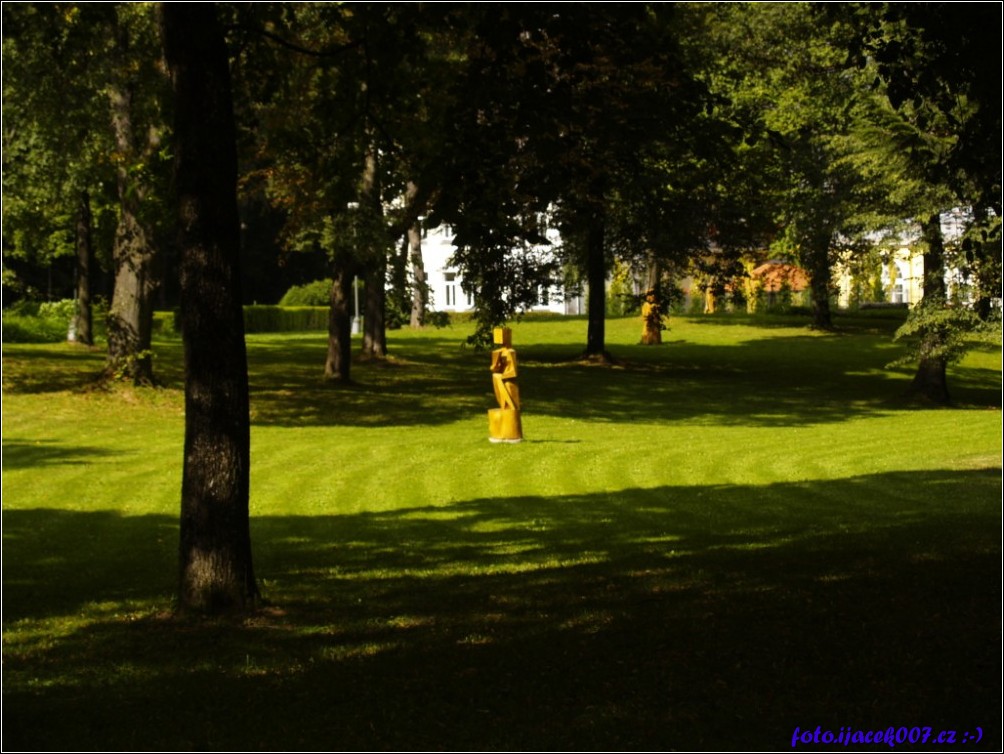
point(265, 319)
point(25, 325)
point(269, 319)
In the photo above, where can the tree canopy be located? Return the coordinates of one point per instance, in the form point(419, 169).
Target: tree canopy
point(651, 135)
point(657, 135)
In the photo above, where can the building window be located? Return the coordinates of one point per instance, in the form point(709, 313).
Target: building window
point(901, 288)
point(451, 288)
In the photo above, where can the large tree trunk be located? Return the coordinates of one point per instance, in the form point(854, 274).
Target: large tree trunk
point(596, 279)
point(130, 316)
point(83, 329)
point(652, 306)
point(216, 573)
point(420, 288)
point(375, 312)
point(375, 259)
point(819, 282)
point(338, 364)
point(931, 381)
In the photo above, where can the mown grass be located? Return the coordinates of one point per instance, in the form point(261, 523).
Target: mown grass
point(745, 530)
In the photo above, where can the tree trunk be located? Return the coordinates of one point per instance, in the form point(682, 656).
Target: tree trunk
point(596, 279)
point(83, 330)
point(338, 364)
point(130, 316)
point(375, 311)
point(819, 282)
point(652, 306)
point(420, 288)
point(216, 573)
point(375, 259)
point(931, 381)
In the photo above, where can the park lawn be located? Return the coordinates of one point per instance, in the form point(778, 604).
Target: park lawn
point(704, 545)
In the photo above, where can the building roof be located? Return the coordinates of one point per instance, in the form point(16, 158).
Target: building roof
point(775, 274)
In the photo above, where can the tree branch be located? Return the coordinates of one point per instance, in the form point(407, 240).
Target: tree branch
point(334, 52)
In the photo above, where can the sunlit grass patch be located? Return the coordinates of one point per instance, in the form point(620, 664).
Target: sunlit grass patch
point(679, 550)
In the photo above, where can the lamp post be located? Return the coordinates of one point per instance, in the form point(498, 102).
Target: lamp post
point(353, 206)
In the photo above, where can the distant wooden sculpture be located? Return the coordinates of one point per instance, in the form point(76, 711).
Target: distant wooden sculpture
point(504, 423)
point(651, 316)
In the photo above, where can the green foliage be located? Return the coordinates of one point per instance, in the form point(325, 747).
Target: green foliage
point(166, 324)
point(803, 109)
point(621, 298)
point(937, 331)
point(60, 64)
point(317, 293)
point(61, 311)
point(438, 319)
point(26, 329)
point(395, 317)
point(38, 322)
point(271, 319)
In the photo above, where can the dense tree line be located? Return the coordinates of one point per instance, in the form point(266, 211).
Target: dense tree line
point(667, 136)
point(661, 136)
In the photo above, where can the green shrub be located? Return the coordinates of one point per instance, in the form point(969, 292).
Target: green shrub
point(437, 319)
point(317, 293)
point(20, 329)
point(266, 319)
point(59, 311)
point(34, 322)
point(166, 323)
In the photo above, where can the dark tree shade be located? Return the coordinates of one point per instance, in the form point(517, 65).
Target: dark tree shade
point(215, 549)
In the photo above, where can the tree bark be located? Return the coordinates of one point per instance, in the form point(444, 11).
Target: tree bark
point(930, 380)
point(652, 307)
point(819, 282)
point(596, 279)
point(216, 573)
point(420, 288)
point(130, 316)
point(375, 256)
point(375, 311)
point(338, 364)
point(83, 330)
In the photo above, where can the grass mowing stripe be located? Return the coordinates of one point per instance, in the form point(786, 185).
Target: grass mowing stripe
point(683, 547)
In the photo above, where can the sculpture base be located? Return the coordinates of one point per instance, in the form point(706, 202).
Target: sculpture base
point(504, 425)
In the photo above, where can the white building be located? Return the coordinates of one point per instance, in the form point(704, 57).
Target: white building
point(902, 276)
point(902, 272)
point(445, 281)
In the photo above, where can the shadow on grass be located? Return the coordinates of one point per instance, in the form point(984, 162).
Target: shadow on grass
point(780, 381)
point(22, 454)
point(50, 368)
point(790, 381)
point(666, 618)
point(426, 381)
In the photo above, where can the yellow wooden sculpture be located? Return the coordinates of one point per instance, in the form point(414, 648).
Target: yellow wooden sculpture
point(651, 317)
point(503, 422)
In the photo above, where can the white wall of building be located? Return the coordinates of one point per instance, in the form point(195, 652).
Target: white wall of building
point(903, 267)
point(446, 281)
